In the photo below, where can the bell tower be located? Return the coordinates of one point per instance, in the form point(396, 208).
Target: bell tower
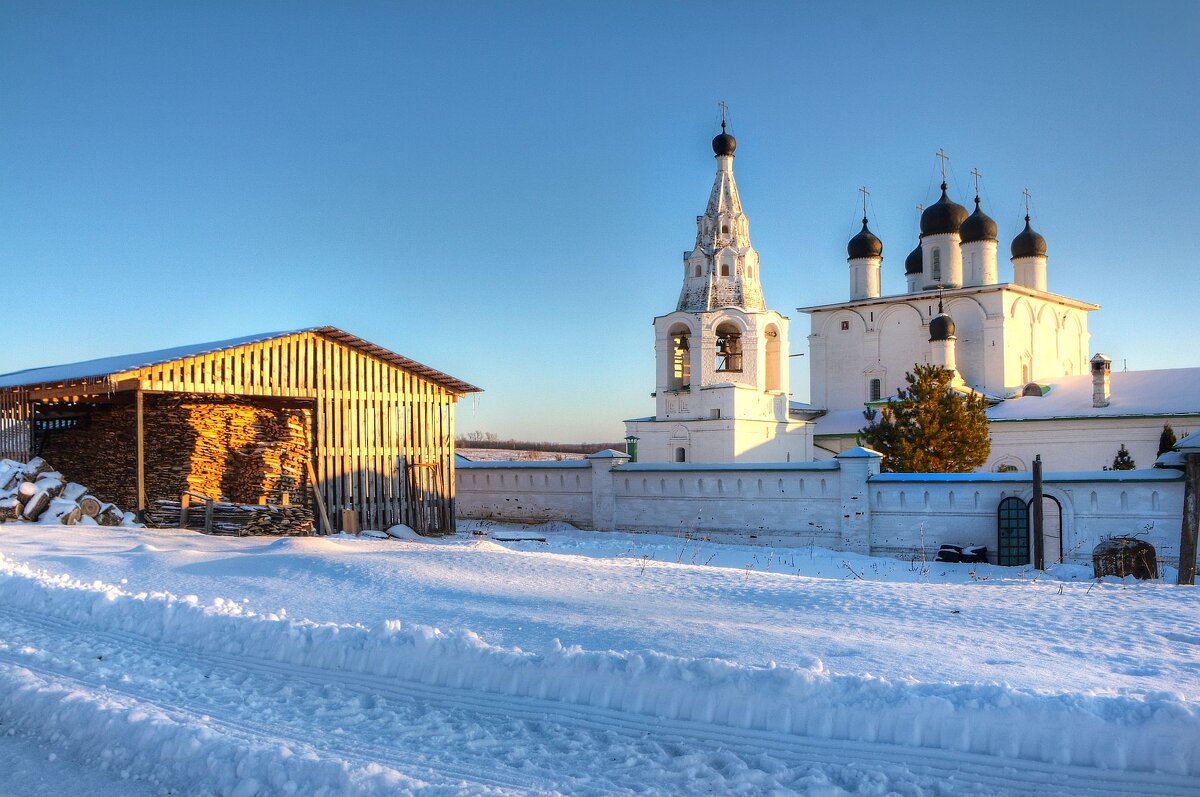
point(721, 387)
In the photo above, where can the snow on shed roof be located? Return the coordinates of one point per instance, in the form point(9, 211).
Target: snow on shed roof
point(1162, 392)
point(106, 366)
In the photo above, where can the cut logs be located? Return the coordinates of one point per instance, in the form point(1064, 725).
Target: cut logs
point(34, 492)
point(233, 519)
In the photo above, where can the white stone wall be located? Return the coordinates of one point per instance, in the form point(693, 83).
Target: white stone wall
point(845, 504)
point(1067, 445)
point(525, 492)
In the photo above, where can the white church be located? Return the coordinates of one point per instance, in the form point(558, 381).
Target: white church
point(722, 356)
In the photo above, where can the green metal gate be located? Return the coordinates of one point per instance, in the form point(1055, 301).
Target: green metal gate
point(1012, 532)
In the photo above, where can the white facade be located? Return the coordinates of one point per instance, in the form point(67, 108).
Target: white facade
point(1006, 337)
point(722, 373)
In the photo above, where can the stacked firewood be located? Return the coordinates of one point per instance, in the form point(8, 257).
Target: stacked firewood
point(226, 518)
point(33, 491)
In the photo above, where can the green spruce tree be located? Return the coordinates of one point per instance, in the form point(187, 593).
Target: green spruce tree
point(1122, 461)
point(929, 427)
point(1166, 440)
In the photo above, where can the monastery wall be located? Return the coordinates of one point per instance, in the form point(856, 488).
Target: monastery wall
point(844, 505)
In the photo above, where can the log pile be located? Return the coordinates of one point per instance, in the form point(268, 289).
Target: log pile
point(238, 519)
point(33, 492)
point(237, 450)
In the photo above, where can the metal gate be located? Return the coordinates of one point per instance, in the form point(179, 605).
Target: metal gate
point(1012, 532)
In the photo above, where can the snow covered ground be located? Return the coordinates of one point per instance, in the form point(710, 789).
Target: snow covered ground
point(140, 661)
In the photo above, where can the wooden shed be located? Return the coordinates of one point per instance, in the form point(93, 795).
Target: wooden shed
point(247, 420)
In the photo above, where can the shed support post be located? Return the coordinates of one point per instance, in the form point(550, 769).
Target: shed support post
point(1191, 520)
point(141, 456)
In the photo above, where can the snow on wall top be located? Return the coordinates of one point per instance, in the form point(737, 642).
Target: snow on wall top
point(1167, 391)
point(106, 366)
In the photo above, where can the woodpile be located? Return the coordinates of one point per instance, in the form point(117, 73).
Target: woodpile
point(237, 450)
point(33, 492)
point(227, 518)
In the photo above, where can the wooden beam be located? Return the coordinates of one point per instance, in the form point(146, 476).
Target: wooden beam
point(1191, 520)
point(141, 456)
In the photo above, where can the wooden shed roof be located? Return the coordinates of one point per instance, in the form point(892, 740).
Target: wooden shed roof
point(111, 366)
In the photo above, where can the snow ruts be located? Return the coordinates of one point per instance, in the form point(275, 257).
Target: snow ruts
point(772, 703)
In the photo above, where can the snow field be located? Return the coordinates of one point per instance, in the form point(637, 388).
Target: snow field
point(1156, 732)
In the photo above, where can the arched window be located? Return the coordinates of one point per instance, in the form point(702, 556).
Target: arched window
point(681, 454)
point(725, 229)
point(773, 363)
point(697, 269)
point(729, 348)
point(876, 390)
point(681, 359)
point(724, 269)
point(935, 261)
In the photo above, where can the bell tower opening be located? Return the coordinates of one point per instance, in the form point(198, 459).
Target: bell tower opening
point(680, 376)
point(729, 348)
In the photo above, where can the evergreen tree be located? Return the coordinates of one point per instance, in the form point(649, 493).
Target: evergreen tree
point(1166, 440)
point(1122, 461)
point(929, 427)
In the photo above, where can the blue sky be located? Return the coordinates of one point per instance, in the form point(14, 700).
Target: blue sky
point(504, 191)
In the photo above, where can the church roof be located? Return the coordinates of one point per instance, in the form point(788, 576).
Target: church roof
point(1165, 393)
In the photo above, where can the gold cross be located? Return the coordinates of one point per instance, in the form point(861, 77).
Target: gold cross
point(943, 157)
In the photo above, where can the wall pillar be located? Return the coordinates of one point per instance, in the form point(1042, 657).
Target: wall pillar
point(856, 467)
point(604, 492)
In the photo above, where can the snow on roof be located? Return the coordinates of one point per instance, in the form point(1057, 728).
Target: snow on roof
point(1139, 475)
point(484, 464)
point(1189, 442)
point(858, 452)
point(674, 467)
point(1166, 392)
point(840, 422)
point(106, 366)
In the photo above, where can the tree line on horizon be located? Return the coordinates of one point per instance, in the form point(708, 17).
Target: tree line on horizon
point(491, 440)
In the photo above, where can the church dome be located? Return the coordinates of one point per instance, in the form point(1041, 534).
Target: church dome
point(941, 326)
point(943, 216)
point(1028, 243)
point(865, 244)
point(914, 262)
point(724, 144)
point(978, 227)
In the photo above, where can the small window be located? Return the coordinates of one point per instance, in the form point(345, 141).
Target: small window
point(876, 390)
point(845, 326)
point(724, 269)
point(936, 264)
point(697, 269)
point(725, 229)
point(681, 454)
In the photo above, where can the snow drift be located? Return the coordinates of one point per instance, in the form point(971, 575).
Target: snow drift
point(1158, 732)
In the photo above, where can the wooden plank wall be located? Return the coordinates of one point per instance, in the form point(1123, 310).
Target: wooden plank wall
point(383, 436)
point(16, 424)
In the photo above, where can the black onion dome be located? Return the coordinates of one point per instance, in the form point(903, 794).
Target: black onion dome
point(724, 144)
point(978, 226)
point(941, 327)
point(865, 244)
point(1028, 243)
point(914, 262)
point(945, 215)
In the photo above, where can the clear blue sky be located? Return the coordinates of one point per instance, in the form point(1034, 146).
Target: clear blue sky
point(504, 190)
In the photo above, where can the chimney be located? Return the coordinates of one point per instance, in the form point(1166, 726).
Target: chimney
point(1100, 380)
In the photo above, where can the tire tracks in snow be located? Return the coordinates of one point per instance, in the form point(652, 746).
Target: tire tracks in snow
point(488, 719)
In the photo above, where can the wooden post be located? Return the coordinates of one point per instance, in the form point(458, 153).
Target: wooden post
point(312, 478)
point(141, 456)
point(1191, 520)
point(1039, 525)
point(185, 501)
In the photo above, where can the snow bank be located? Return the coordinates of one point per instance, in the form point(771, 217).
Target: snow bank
point(1157, 732)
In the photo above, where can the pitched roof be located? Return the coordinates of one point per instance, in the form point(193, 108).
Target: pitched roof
point(107, 366)
point(1163, 392)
